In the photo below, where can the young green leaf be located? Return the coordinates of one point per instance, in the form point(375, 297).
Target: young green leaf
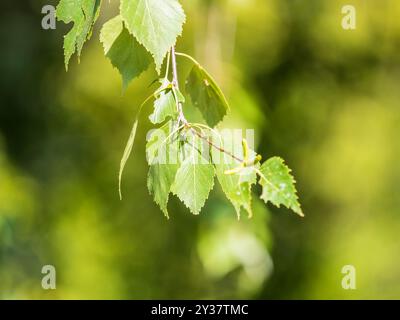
point(159, 140)
point(83, 13)
point(178, 95)
point(206, 95)
point(127, 152)
point(164, 105)
point(238, 192)
point(195, 177)
point(278, 185)
point(164, 163)
point(237, 186)
point(156, 24)
point(129, 145)
point(159, 182)
point(123, 50)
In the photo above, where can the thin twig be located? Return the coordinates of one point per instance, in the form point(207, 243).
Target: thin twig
point(175, 83)
point(181, 116)
point(167, 67)
point(188, 57)
point(211, 144)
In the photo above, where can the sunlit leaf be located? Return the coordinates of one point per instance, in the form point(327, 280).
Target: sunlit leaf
point(164, 105)
point(278, 185)
point(162, 151)
point(156, 24)
point(83, 13)
point(129, 145)
point(237, 187)
point(195, 177)
point(127, 153)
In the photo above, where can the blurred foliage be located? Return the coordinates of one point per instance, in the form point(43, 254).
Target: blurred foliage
point(323, 98)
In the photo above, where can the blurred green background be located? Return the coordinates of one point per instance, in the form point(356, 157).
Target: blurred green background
point(323, 98)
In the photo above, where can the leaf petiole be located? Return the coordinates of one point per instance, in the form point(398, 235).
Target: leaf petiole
point(188, 57)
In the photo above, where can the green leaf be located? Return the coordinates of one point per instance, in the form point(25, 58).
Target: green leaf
point(206, 95)
point(164, 105)
point(159, 182)
point(278, 185)
point(195, 177)
point(123, 50)
point(127, 152)
point(83, 13)
point(238, 192)
point(237, 187)
point(164, 163)
point(156, 24)
point(178, 95)
point(129, 145)
point(159, 139)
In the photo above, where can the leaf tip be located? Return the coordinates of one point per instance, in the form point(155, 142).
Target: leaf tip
point(165, 211)
point(119, 187)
